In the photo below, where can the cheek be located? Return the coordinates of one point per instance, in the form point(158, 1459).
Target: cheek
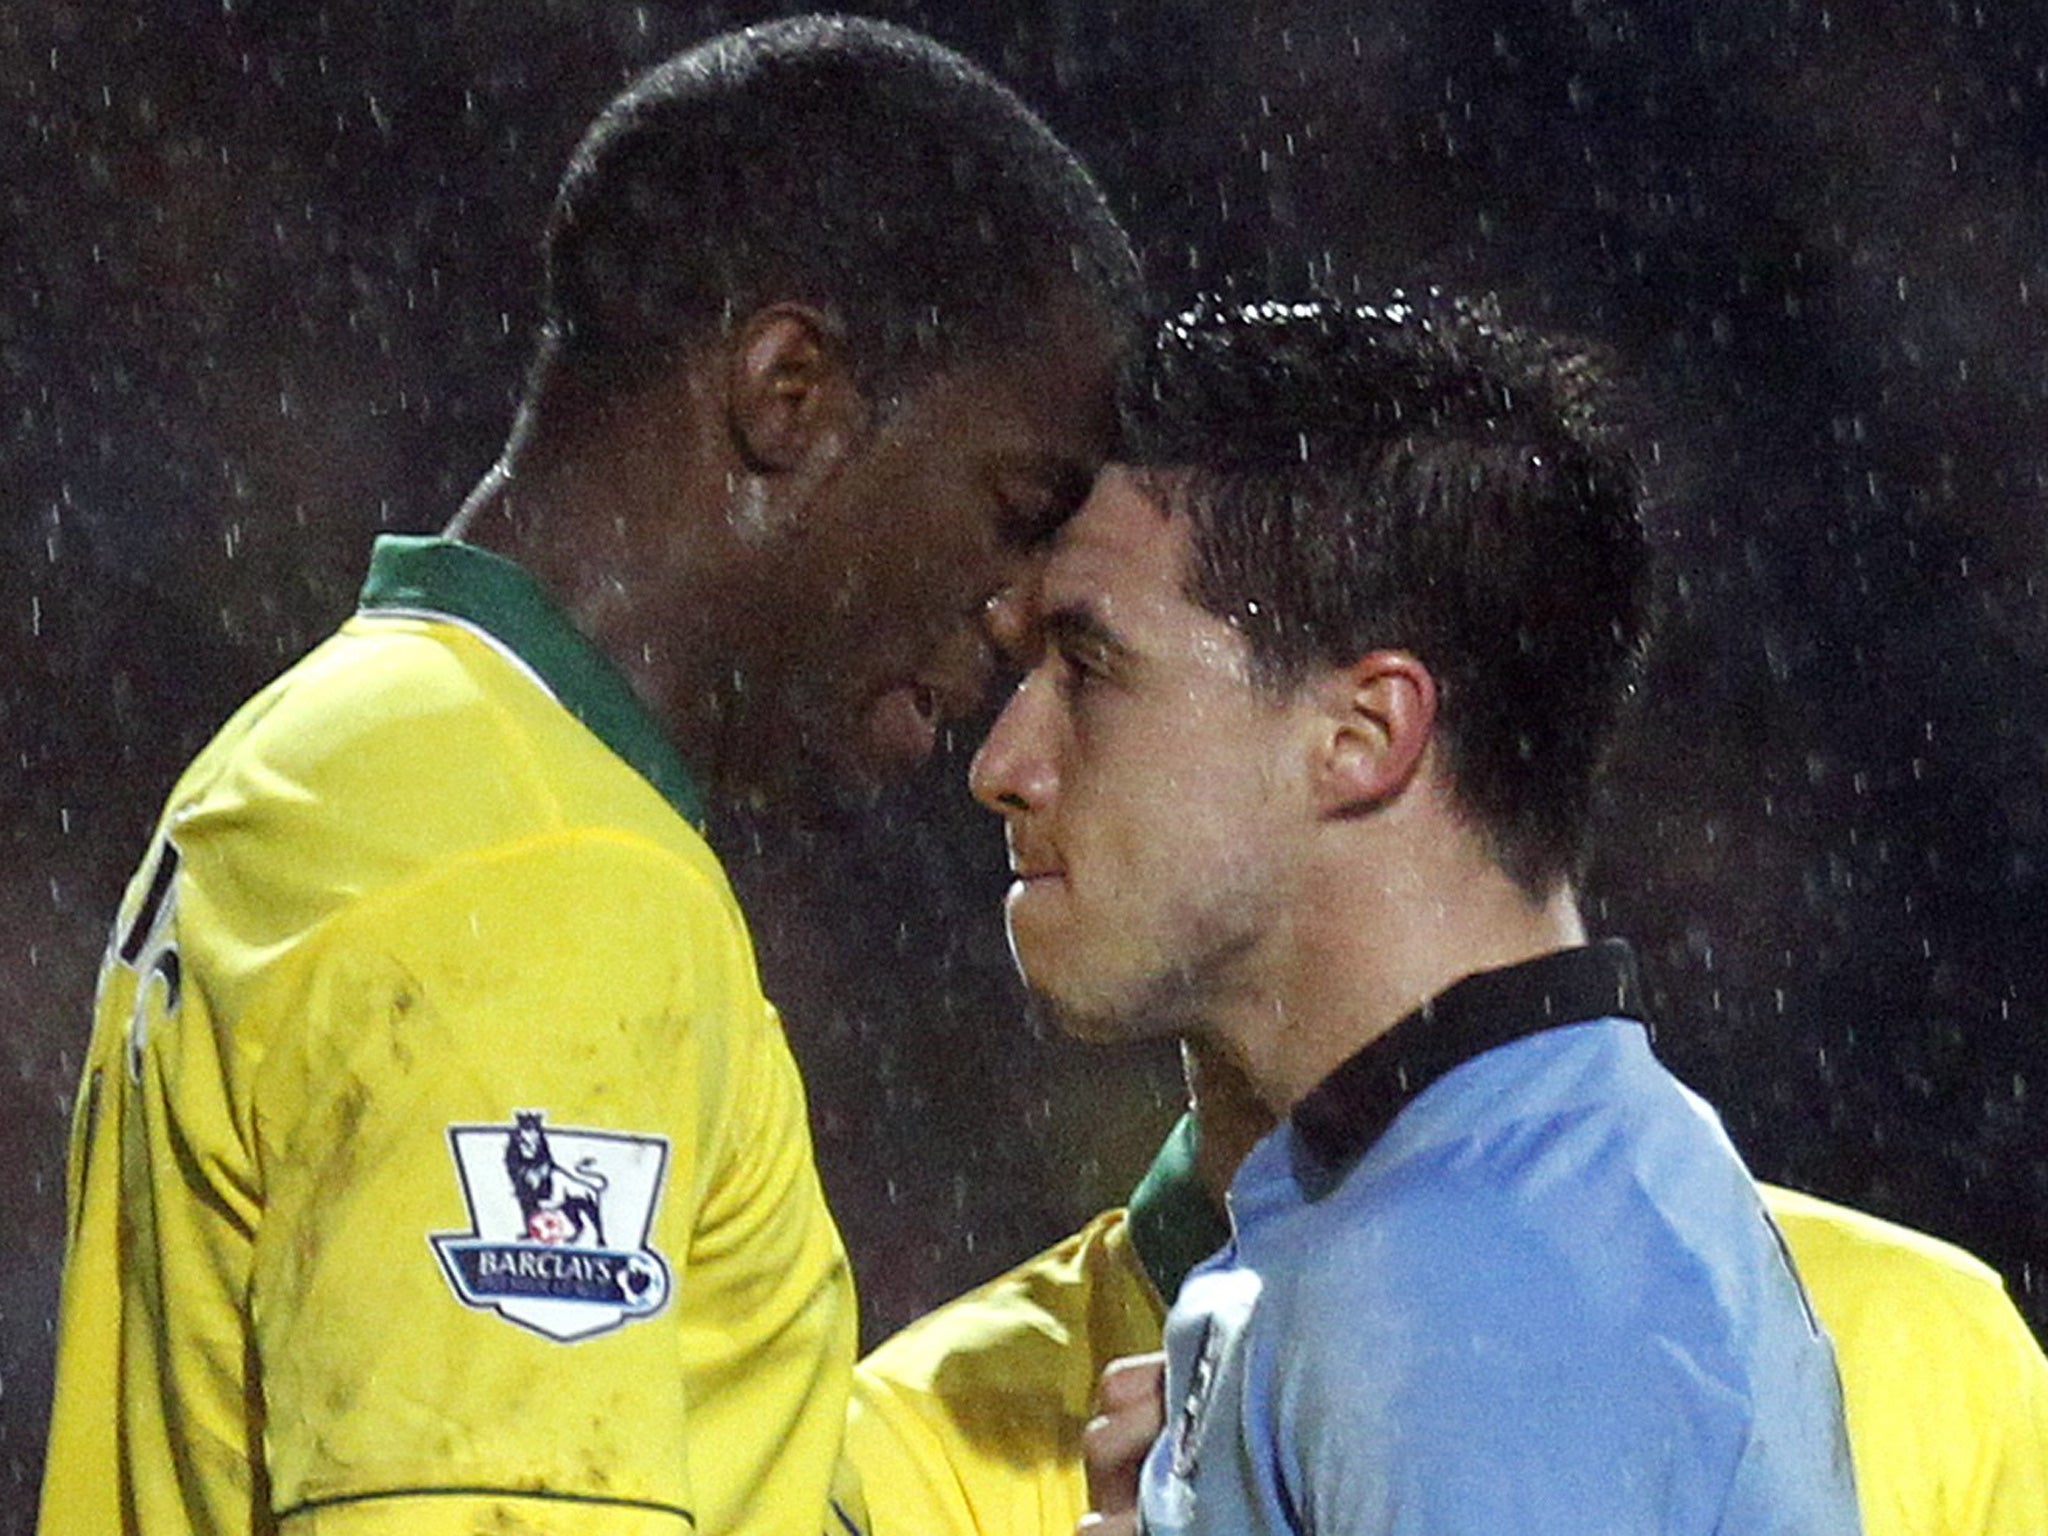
point(923, 596)
point(1192, 828)
point(1132, 846)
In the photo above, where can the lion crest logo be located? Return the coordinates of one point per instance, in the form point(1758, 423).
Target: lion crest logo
point(542, 1201)
point(559, 1206)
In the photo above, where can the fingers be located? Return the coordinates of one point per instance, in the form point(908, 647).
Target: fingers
point(1096, 1524)
point(1130, 1410)
point(1132, 1382)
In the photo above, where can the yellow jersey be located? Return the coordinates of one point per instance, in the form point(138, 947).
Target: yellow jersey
point(969, 1420)
point(1945, 1389)
point(438, 1164)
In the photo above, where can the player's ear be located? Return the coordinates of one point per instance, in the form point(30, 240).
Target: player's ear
point(1376, 721)
point(791, 401)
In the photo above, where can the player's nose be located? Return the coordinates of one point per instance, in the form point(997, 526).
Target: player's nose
point(1014, 769)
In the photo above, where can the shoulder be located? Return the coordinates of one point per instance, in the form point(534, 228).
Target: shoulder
point(1039, 1332)
point(1945, 1386)
point(1527, 1155)
point(390, 688)
point(1442, 1240)
point(405, 753)
point(1530, 1306)
point(1579, 1222)
point(402, 736)
point(1856, 1257)
point(970, 1418)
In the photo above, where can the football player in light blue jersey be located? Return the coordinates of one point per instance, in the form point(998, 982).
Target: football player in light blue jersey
point(1331, 658)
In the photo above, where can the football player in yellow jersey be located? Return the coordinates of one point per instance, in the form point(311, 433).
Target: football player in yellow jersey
point(970, 1420)
point(438, 1165)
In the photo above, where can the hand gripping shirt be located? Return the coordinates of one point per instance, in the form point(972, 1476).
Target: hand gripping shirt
point(438, 1164)
point(1500, 1272)
point(968, 1422)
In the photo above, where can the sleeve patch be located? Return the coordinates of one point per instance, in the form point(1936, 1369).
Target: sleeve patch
point(560, 1222)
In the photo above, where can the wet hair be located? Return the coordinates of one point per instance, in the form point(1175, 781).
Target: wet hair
point(844, 163)
point(1416, 476)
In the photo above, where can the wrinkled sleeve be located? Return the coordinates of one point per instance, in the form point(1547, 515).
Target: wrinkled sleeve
point(483, 1149)
point(909, 1483)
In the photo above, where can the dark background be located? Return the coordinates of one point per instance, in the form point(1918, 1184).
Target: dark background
point(266, 279)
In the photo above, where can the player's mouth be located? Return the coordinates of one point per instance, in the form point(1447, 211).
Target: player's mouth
point(1030, 867)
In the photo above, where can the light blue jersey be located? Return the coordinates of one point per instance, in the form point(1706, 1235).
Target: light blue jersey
point(1501, 1274)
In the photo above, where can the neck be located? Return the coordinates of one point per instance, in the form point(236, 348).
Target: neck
point(1229, 1116)
point(1358, 955)
point(641, 588)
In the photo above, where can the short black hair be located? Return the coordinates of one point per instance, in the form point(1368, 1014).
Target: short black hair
point(1421, 476)
point(842, 162)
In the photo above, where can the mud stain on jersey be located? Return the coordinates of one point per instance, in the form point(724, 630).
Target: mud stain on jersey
point(334, 1175)
point(400, 1023)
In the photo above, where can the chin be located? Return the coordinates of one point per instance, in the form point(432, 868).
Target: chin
point(1089, 1026)
point(1093, 1011)
point(799, 790)
point(1051, 997)
point(1113, 991)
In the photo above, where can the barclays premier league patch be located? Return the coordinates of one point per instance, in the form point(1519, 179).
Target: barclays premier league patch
point(560, 1222)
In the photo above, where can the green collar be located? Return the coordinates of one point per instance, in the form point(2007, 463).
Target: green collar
point(1173, 1224)
point(411, 573)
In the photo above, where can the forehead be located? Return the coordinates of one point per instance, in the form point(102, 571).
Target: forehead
point(1053, 393)
point(1122, 558)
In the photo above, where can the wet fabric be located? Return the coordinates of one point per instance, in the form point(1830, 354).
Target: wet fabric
point(967, 1423)
point(969, 1420)
point(438, 1160)
point(1945, 1387)
point(1541, 1295)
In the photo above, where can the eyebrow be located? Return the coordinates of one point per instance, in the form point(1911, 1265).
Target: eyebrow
point(1074, 628)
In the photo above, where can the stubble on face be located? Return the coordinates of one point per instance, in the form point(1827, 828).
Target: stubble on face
point(1204, 972)
point(1144, 780)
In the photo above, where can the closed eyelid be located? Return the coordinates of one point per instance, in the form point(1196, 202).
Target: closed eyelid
point(1081, 636)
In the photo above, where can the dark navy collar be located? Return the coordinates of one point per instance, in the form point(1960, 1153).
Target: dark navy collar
point(1351, 1108)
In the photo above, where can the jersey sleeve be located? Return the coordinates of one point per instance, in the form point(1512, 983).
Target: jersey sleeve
point(1945, 1387)
point(484, 1141)
point(910, 1480)
point(968, 1422)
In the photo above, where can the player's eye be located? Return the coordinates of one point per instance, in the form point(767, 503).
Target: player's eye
point(1077, 672)
point(1082, 652)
